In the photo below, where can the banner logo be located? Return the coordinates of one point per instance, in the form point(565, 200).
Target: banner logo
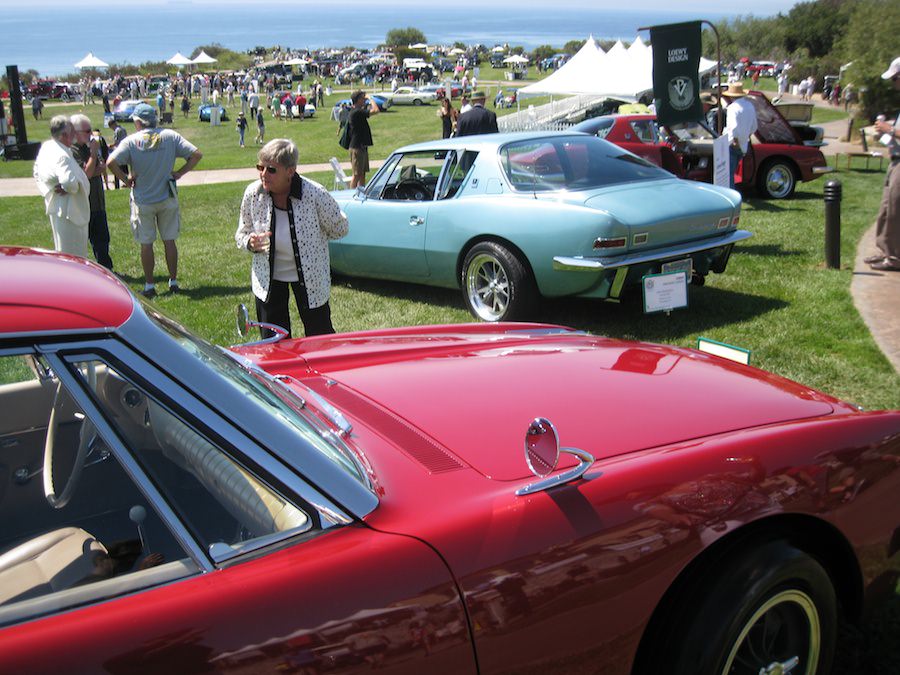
point(681, 92)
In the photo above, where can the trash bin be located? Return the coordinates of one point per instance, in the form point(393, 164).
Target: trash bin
point(214, 119)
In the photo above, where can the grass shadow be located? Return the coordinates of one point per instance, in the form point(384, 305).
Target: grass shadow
point(775, 250)
point(401, 290)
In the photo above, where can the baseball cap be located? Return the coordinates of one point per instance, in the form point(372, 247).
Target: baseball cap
point(891, 72)
point(145, 113)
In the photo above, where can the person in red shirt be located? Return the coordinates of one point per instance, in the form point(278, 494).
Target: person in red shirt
point(301, 106)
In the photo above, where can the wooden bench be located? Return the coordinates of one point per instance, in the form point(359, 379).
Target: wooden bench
point(868, 154)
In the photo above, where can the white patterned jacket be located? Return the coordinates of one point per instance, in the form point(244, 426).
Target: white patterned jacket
point(317, 218)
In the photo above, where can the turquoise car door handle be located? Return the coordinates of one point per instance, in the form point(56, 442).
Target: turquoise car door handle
point(416, 220)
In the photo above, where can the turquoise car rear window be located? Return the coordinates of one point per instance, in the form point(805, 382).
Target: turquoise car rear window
point(572, 163)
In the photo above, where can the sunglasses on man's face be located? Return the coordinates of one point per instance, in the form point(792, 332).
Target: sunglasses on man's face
point(267, 169)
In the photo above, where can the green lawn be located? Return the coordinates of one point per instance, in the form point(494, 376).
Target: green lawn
point(775, 299)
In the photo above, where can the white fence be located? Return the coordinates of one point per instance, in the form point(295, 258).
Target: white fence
point(553, 116)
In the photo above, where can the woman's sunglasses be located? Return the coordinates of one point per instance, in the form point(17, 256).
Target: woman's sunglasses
point(267, 169)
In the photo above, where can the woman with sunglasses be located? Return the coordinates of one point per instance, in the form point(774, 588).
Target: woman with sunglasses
point(286, 222)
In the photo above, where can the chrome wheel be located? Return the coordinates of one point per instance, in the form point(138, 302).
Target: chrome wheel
point(487, 287)
point(782, 636)
point(778, 180)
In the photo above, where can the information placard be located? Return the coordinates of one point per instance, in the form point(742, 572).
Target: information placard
point(665, 292)
point(721, 162)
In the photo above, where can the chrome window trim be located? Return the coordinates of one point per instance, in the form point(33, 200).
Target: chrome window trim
point(340, 492)
point(329, 513)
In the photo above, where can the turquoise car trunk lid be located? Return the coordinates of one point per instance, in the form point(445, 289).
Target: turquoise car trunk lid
point(665, 212)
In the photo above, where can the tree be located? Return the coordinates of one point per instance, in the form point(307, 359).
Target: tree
point(815, 26)
point(542, 52)
point(869, 44)
point(572, 46)
point(403, 37)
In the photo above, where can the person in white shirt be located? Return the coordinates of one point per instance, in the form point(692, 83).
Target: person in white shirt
point(740, 124)
point(65, 188)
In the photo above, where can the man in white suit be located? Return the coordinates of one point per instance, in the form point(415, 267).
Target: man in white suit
point(65, 188)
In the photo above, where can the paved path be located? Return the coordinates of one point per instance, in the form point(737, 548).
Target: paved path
point(875, 294)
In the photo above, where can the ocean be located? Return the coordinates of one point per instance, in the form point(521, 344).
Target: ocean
point(45, 41)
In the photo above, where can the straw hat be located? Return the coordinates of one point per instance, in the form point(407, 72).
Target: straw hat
point(735, 90)
point(708, 97)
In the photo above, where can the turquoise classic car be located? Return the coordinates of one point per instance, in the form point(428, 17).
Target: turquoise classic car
point(511, 218)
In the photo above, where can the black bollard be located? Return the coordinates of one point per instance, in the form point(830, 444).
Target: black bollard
point(832, 195)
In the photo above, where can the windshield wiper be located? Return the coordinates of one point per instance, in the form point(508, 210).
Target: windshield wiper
point(335, 416)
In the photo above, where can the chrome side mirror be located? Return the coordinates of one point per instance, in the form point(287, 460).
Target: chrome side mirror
point(245, 323)
point(542, 452)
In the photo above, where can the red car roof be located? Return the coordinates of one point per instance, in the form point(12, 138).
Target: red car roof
point(47, 291)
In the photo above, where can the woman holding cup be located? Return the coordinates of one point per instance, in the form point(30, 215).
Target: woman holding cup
point(286, 222)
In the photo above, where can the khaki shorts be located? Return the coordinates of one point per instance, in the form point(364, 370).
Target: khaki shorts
point(359, 160)
point(146, 219)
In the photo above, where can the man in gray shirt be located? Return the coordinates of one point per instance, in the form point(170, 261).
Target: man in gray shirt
point(151, 153)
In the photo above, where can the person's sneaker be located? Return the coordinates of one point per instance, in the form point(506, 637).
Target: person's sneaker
point(149, 293)
point(886, 266)
point(873, 259)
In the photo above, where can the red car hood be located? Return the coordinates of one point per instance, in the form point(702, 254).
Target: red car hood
point(471, 391)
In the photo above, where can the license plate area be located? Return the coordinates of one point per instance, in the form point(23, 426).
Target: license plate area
point(685, 265)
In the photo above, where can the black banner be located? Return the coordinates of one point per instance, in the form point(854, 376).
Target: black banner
point(676, 62)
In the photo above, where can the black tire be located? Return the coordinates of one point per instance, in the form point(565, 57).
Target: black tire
point(777, 179)
point(717, 628)
point(496, 285)
point(417, 101)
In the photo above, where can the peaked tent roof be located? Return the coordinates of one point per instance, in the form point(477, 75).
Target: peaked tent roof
point(203, 57)
point(179, 59)
point(620, 73)
point(91, 61)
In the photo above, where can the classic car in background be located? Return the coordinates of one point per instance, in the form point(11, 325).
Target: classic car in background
point(341, 504)
point(440, 91)
point(125, 109)
point(309, 110)
point(509, 218)
point(382, 102)
point(50, 89)
point(779, 158)
point(204, 111)
point(411, 96)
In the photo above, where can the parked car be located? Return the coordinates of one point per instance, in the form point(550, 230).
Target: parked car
point(125, 109)
point(341, 503)
point(509, 218)
point(50, 89)
point(439, 90)
point(799, 116)
point(382, 102)
point(204, 111)
point(309, 108)
point(411, 96)
point(779, 159)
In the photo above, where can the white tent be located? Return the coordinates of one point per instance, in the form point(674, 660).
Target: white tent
point(203, 58)
point(457, 50)
point(621, 73)
point(91, 61)
point(179, 59)
point(516, 59)
point(419, 45)
point(296, 62)
point(498, 49)
point(577, 76)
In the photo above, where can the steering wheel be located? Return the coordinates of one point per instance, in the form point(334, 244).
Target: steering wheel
point(412, 189)
point(62, 402)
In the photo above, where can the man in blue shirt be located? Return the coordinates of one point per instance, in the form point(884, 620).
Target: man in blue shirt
point(151, 153)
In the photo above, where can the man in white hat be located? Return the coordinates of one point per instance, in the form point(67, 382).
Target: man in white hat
point(887, 223)
point(740, 125)
point(151, 153)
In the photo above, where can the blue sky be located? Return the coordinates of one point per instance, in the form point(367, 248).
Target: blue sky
point(757, 7)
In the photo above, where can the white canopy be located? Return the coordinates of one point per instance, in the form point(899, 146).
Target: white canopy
point(620, 73)
point(498, 49)
point(179, 59)
point(202, 57)
point(91, 61)
point(516, 58)
point(296, 62)
point(419, 45)
point(457, 50)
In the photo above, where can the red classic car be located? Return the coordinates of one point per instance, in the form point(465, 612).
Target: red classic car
point(778, 158)
point(399, 499)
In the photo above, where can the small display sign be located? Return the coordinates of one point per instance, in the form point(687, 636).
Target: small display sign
point(723, 350)
point(665, 292)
